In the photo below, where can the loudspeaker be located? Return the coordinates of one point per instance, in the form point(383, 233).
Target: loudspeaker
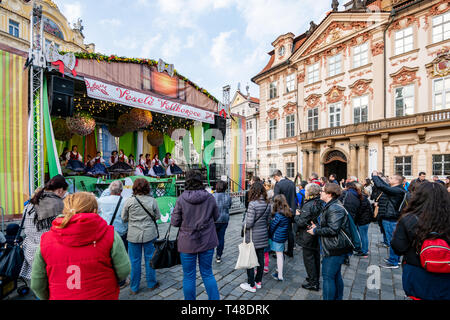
point(221, 124)
point(61, 96)
point(61, 105)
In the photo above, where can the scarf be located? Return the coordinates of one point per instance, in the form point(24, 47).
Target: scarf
point(49, 207)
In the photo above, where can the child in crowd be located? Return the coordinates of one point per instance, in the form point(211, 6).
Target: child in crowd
point(278, 231)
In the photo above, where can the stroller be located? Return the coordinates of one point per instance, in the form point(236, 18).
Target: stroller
point(11, 260)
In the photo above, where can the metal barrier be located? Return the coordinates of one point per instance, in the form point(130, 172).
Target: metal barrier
point(237, 202)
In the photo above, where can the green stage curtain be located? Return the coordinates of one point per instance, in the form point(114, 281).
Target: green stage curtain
point(127, 143)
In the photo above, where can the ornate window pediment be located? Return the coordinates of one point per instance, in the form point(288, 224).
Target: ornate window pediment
point(289, 108)
point(335, 94)
point(313, 100)
point(404, 76)
point(360, 87)
point(272, 113)
point(439, 67)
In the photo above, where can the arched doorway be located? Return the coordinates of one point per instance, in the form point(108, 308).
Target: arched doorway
point(335, 162)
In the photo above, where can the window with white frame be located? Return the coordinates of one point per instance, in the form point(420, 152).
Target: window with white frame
point(403, 165)
point(441, 165)
point(441, 93)
point(273, 90)
point(335, 114)
point(272, 167)
point(360, 107)
point(290, 125)
point(313, 119)
point(404, 101)
point(290, 169)
point(13, 28)
point(313, 73)
point(361, 55)
point(273, 129)
point(441, 27)
point(249, 125)
point(290, 83)
point(404, 40)
point(249, 140)
point(334, 65)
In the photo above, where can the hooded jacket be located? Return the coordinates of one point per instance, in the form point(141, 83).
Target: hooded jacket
point(79, 260)
point(195, 214)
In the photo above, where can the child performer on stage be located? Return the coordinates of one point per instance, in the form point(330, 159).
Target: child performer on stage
point(171, 167)
point(131, 161)
point(141, 168)
point(156, 169)
point(98, 166)
point(114, 158)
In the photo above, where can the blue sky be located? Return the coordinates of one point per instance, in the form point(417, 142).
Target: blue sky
point(212, 42)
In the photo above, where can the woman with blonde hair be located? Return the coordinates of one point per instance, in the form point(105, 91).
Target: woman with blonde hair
point(81, 257)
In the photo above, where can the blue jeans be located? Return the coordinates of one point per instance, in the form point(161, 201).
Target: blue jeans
point(389, 228)
point(364, 232)
point(220, 229)
point(333, 285)
point(135, 254)
point(189, 263)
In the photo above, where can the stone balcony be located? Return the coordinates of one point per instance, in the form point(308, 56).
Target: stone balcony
point(422, 120)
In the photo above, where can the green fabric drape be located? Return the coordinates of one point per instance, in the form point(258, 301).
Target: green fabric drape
point(209, 144)
point(127, 143)
point(52, 158)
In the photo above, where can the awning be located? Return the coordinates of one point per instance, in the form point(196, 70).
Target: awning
point(107, 92)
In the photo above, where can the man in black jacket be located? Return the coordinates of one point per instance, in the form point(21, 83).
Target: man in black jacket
point(287, 188)
point(414, 183)
point(390, 205)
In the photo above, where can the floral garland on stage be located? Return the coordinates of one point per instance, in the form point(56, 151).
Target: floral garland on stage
point(113, 58)
point(81, 123)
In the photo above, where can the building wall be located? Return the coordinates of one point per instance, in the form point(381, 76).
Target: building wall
point(20, 12)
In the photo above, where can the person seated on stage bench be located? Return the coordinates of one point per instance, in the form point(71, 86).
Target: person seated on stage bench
point(62, 157)
point(88, 163)
point(141, 168)
point(171, 167)
point(75, 160)
point(148, 161)
point(98, 167)
point(121, 165)
point(114, 158)
point(156, 169)
point(131, 161)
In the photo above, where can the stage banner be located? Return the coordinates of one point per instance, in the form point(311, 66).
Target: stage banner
point(107, 92)
point(13, 133)
point(238, 146)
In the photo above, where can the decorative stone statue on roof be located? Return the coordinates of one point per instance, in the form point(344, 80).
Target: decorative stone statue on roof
point(78, 26)
point(335, 5)
point(312, 27)
point(359, 4)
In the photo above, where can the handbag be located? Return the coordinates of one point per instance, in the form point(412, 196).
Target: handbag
point(375, 211)
point(247, 254)
point(12, 256)
point(166, 253)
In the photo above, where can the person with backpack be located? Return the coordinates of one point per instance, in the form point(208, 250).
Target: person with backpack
point(422, 237)
point(390, 205)
point(223, 201)
point(310, 211)
point(301, 194)
point(278, 231)
point(333, 228)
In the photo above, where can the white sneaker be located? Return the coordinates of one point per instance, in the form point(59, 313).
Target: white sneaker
point(247, 287)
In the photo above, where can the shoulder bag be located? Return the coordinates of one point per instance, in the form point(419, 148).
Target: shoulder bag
point(153, 218)
point(115, 211)
point(166, 253)
point(12, 256)
point(375, 211)
point(247, 254)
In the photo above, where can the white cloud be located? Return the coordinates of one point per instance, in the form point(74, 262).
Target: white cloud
point(72, 11)
point(110, 23)
point(148, 46)
point(171, 47)
point(221, 52)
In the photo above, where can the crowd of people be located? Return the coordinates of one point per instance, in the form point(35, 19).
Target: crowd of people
point(119, 163)
point(78, 246)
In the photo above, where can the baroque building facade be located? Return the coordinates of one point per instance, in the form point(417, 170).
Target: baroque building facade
point(372, 92)
point(15, 27)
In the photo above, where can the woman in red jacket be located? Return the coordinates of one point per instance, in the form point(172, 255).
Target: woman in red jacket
point(81, 257)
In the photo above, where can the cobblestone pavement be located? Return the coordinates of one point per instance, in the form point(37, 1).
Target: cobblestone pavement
point(228, 279)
